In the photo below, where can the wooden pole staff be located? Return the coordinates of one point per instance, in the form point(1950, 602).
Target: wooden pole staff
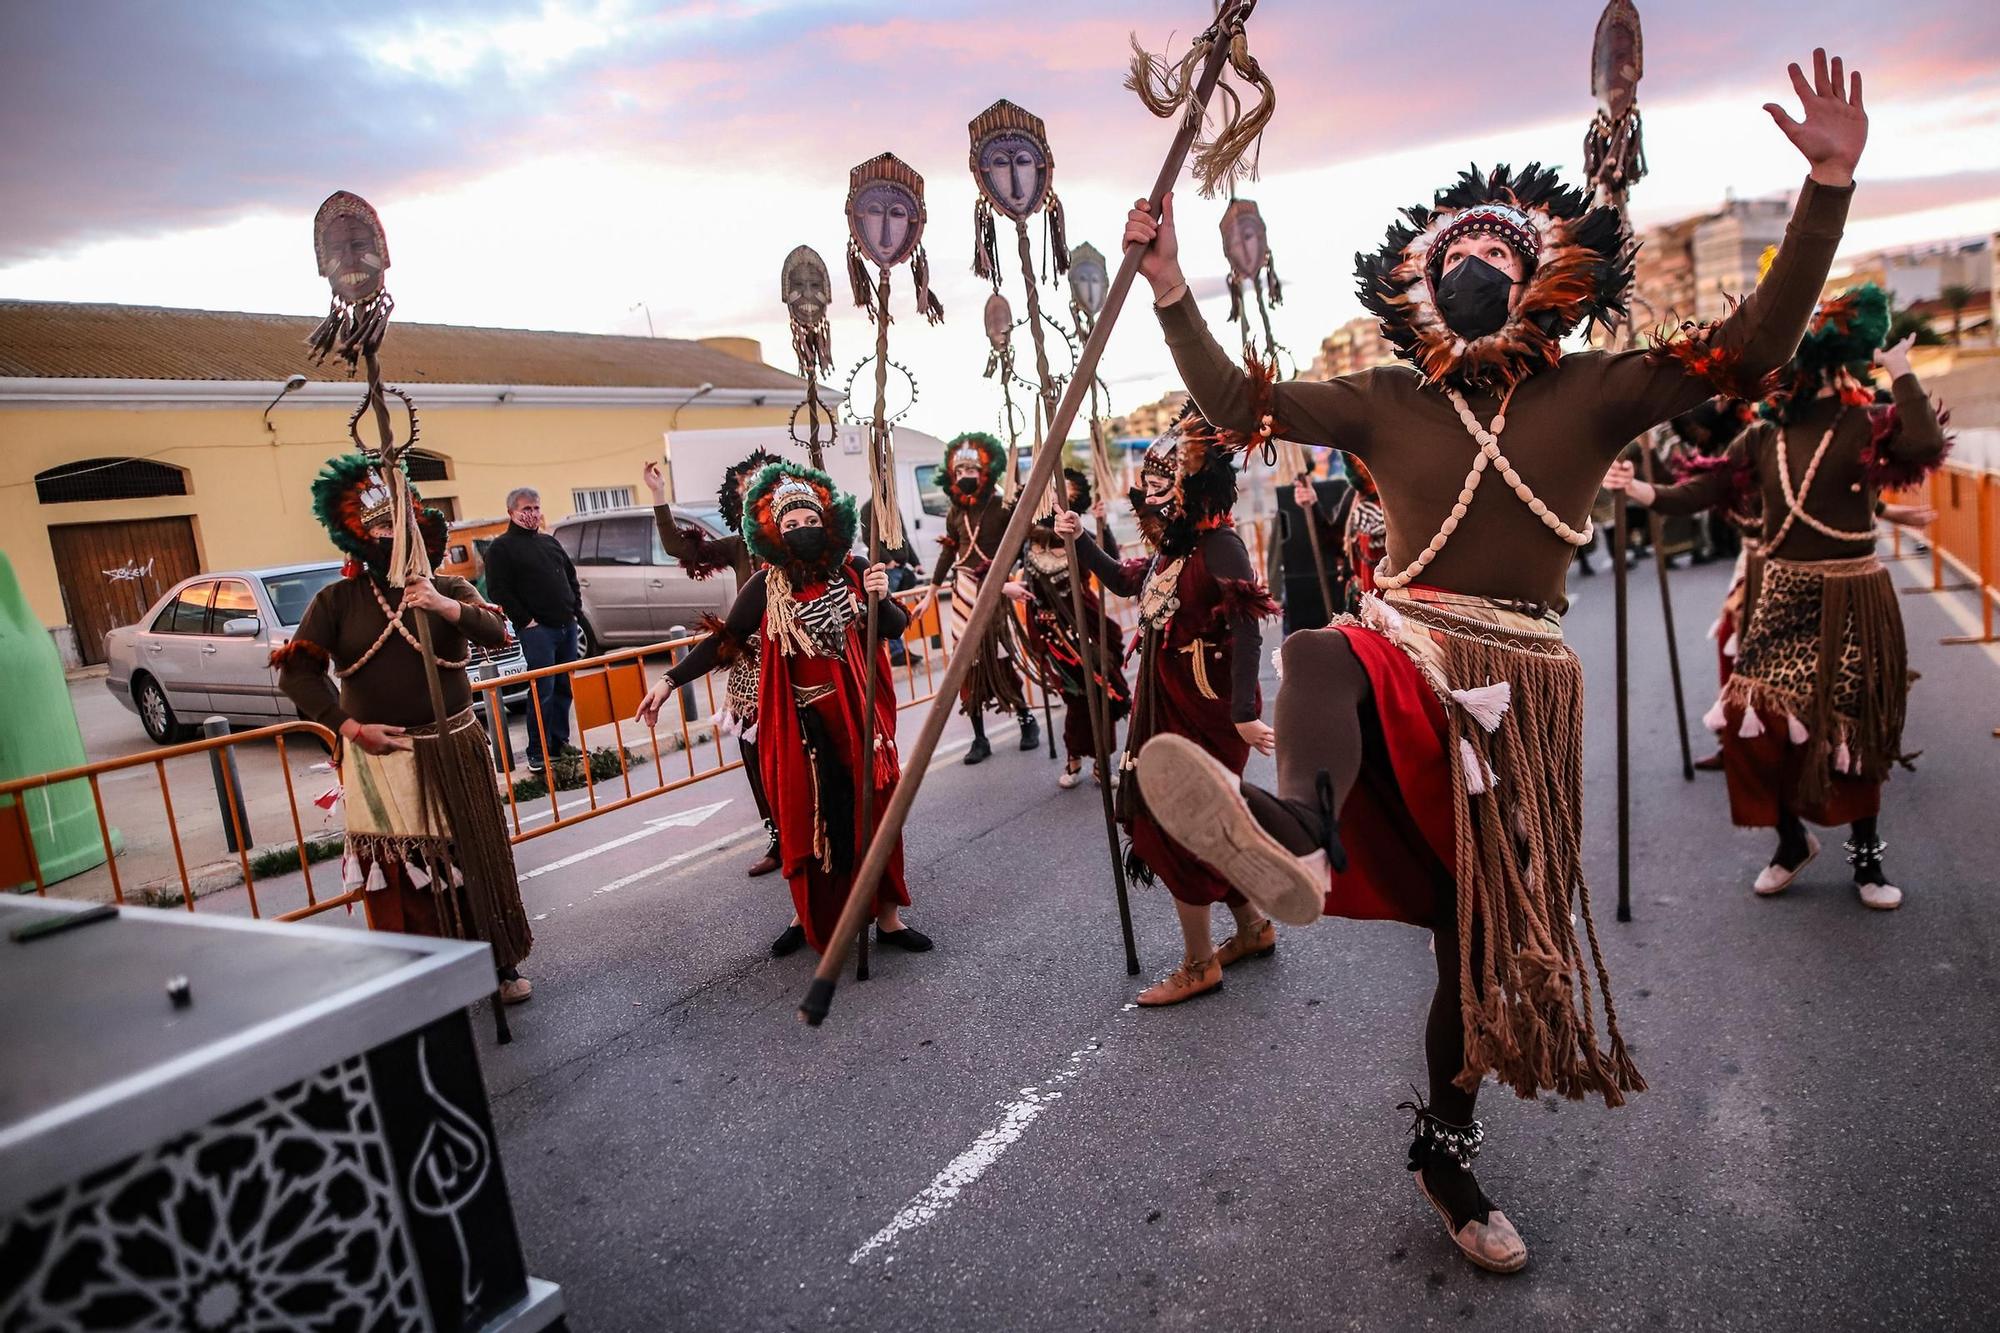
point(1105, 727)
point(416, 558)
point(819, 997)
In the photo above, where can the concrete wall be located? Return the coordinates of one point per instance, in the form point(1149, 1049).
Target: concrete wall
point(249, 489)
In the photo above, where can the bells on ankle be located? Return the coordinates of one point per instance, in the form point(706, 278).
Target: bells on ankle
point(1434, 1137)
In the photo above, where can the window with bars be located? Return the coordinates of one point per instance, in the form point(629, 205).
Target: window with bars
point(108, 479)
point(426, 466)
point(591, 500)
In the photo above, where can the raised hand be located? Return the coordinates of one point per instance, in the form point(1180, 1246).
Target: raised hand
point(656, 482)
point(1069, 525)
point(1896, 357)
point(1161, 264)
point(1834, 127)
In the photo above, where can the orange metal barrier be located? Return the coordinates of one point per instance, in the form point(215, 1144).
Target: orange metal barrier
point(605, 690)
point(19, 863)
point(1965, 535)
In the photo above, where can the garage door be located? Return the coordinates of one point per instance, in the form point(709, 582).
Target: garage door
point(111, 572)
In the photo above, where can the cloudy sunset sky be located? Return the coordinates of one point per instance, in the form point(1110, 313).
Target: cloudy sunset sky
point(554, 165)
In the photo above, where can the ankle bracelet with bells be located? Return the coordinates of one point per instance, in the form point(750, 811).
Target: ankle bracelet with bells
point(1461, 1143)
point(1489, 452)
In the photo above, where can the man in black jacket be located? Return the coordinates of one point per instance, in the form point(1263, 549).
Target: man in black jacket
point(530, 575)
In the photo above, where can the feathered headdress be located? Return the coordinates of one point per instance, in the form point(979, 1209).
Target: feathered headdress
point(782, 486)
point(1197, 457)
point(350, 493)
point(729, 496)
point(974, 446)
point(1579, 268)
point(1837, 352)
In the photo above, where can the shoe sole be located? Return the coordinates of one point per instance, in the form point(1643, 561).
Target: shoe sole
point(1451, 1234)
point(1265, 952)
point(1195, 800)
point(1812, 854)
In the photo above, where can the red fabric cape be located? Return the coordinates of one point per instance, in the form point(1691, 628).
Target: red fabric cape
point(1397, 824)
point(819, 895)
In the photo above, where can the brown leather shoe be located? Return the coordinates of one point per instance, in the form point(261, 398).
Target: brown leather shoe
point(1185, 982)
point(516, 990)
point(1260, 941)
point(764, 865)
point(1710, 763)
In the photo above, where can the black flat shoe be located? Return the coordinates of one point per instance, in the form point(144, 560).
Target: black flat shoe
point(909, 939)
point(790, 942)
point(979, 751)
point(1031, 734)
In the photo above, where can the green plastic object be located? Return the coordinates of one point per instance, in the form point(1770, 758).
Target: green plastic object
point(38, 734)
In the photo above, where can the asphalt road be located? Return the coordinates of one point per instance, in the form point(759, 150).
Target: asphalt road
point(989, 1137)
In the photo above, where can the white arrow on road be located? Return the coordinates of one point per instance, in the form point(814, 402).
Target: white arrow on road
point(679, 819)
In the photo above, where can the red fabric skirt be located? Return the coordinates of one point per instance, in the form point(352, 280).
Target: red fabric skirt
point(1396, 824)
point(1762, 768)
point(1183, 710)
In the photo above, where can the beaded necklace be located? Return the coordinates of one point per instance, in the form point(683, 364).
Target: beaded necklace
point(1489, 453)
point(1795, 501)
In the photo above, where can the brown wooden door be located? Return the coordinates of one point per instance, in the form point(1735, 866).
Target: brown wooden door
point(111, 572)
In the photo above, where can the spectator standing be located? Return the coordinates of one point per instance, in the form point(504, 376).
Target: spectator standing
point(530, 575)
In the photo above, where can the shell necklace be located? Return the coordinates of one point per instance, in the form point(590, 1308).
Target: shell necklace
point(1795, 500)
point(1489, 453)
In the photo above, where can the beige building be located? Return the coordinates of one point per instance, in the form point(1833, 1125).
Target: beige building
point(1728, 247)
point(1355, 345)
point(139, 445)
point(1150, 421)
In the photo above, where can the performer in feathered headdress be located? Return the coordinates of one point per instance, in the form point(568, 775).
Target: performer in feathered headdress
point(1067, 648)
point(702, 556)
point(1199, 604)
point(1811, 715)
point(802, 613)
point(1474, 793)
point(974, 464)
point(433, 857)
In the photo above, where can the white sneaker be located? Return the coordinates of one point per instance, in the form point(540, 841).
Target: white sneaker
point(1881, 897)
point(1774, 879)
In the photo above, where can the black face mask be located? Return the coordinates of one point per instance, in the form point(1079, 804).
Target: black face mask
point(966, 485)
point(806, 544)
point(379, 550)
point(1473, 298)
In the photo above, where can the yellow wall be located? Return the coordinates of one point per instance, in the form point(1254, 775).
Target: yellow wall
point(249, 489)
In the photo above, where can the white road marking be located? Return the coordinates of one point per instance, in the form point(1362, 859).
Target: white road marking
point(681, 819)
point(726, 840)
point(935, 1199)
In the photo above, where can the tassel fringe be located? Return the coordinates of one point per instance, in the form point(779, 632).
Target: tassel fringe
point(928, 304)
point(1487, 704)
point(985, 243)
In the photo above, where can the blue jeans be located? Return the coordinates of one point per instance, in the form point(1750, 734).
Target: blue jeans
point(545, 645)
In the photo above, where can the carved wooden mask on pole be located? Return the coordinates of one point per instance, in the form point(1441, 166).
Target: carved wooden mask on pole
point(807, 290)
point(1614, 153)
point(1000, 334)
point(885, 226)
point(1014, 169)
point(1089, 284)
point(351, 252)
point(1247, 247)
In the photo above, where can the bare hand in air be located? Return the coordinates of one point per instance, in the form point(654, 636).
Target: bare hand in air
point(1069, 524)
point(1161, 264)
point(1834, 127)
point(656, 482)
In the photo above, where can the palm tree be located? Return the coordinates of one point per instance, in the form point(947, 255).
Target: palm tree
point(1957, 297)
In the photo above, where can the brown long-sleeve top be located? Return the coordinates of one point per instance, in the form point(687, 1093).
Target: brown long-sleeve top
point(699, 553)
point(1563, 427)
point(1227, 561)
point(1843, 492)
point(971, 536)
point(344, 621)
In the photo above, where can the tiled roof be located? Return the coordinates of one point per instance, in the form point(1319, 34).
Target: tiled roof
point(64, 340)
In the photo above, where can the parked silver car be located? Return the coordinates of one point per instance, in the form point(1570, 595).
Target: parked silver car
point(204, 649)
point(633, 591)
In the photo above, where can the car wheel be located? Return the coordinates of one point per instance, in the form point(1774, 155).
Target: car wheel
point(156, 714)
point(591, 646)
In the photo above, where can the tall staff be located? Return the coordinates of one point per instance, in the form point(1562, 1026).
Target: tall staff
point(999, 318)
point(1014, 168)
point(806, 288)
point(352, 252)
point(1181, 91)
point(885, 227)
point(1614, 158)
